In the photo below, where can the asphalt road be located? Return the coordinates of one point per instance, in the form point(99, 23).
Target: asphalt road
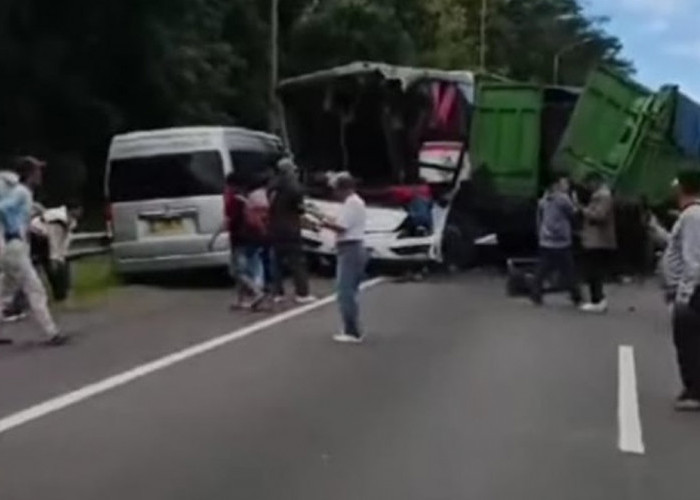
point(459, 393)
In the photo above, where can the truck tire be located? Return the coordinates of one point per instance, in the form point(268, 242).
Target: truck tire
point(458, 248)
point(519, 279)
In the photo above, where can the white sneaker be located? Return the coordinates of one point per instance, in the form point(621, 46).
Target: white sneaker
point(343, 338)
point(687, 405)
point(15, 317)
point(309, 299)
point(599, 308)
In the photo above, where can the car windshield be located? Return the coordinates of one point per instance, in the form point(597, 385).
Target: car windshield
point(166, 176)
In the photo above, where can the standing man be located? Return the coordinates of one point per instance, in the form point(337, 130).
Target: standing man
point(555, 218)
point(286, 212)
point(18, 273)
point(681, 272)
point(598, 241)
point(352, 257)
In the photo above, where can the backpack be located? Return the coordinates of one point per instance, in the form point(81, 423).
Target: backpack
point(256, 212)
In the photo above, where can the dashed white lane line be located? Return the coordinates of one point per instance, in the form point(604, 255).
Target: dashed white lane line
point(72, 398)
point(629, 423)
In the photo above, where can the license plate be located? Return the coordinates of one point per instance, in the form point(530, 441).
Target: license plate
point(167, 227)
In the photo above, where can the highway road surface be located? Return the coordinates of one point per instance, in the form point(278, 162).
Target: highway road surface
point(459, 393)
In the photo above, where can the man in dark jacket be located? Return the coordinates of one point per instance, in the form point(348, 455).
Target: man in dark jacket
point(286, 212)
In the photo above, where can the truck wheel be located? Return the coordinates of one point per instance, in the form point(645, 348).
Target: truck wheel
point(458, 249)
point(512, 245)
point(519, 283)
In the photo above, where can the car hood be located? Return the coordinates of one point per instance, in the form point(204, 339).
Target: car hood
point(379, 219)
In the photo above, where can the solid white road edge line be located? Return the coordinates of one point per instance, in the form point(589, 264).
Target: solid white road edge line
point(60, 402)
point(628, 420)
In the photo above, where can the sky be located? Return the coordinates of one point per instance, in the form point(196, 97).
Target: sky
point(661, 37)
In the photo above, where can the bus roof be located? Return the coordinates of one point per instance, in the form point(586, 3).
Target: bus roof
point(406, 75)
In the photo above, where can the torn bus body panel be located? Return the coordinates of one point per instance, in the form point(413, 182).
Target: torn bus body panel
point(395, 129)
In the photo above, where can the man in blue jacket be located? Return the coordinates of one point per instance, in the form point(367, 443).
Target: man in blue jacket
point(18, 273)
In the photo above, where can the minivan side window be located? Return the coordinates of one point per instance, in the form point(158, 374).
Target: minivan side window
point(178, 175)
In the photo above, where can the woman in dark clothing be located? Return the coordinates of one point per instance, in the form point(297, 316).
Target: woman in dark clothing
point(286, 212)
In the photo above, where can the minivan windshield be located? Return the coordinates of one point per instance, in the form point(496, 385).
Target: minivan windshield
point(177, 175)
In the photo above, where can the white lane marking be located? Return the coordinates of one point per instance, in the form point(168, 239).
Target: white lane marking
point(60, 402)
point(628, 420)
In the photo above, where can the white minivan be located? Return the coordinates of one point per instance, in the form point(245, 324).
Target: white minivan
point(164, 190)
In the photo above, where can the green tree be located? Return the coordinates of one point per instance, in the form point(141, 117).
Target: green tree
point(454, 26)
point(339, 31)
point(77, 71)
point(524, 38)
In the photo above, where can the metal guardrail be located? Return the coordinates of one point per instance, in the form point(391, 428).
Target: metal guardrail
point(88, 244)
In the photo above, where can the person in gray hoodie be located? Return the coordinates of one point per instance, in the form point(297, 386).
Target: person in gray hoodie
point(680, 268)
point(556, 213)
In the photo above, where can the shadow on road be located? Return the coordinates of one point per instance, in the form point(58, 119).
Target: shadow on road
point(184, 279)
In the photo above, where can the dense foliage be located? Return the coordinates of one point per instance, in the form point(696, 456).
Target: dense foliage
point(74, 72)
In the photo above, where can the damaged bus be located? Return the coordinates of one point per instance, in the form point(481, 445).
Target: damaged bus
point(404, 134)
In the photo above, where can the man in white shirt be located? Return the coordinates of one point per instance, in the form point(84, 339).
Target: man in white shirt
point(351, 254)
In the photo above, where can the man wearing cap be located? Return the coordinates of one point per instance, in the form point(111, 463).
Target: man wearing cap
point(349, 227)
point(286, 212)
point(18, 273)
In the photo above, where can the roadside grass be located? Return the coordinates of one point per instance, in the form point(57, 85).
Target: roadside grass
point(92, 278)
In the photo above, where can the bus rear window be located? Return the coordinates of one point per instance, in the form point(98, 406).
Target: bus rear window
point(166, 176)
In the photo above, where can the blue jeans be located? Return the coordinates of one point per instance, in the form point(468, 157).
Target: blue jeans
point(249, 269)
point(352, 260)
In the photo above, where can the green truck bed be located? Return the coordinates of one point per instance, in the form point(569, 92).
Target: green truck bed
point(620, 129)
point(515, 131)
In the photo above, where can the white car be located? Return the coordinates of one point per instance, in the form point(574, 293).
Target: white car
point(385, 239)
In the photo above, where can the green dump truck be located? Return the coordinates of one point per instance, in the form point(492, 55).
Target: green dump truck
point(516, 130)
point(614, 126)
point(621, 130)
